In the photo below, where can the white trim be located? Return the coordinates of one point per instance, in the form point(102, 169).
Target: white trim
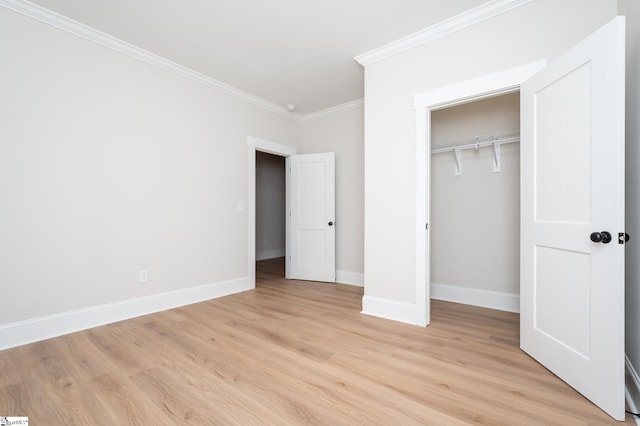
point(264, 145)
point(448, 26)
point(423, 207)
point(350, 278)
point(88, 33)
point(502, 301)
point(36, 329)
point(494, 84)
point(490, 85)
point(358, 103)
point(270, 254)
point(632, 388)
point(389, 309)
point(256, 144)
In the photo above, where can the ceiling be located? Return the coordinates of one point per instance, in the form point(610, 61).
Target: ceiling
point(285, 51)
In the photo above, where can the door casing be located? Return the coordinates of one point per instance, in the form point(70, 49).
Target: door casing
point(256, 144)
point(488, 86)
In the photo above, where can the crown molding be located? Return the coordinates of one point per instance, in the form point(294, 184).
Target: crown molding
point(448, 26)
point(348, 106)
point(81, 30)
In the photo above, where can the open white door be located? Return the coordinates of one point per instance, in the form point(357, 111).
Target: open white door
point(312, 211)
point(572, 183)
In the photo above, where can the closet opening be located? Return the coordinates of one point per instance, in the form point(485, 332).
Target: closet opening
point(475, 203)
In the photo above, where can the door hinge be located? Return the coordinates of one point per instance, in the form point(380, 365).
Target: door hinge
point(427, 226)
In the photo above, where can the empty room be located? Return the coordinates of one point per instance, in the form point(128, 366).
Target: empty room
point(285, 212)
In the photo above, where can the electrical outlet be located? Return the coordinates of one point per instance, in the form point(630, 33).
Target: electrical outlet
point(143, 276)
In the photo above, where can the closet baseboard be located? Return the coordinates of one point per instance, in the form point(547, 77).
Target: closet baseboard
point(471, 296)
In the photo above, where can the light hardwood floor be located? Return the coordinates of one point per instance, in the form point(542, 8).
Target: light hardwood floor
point(289, 352)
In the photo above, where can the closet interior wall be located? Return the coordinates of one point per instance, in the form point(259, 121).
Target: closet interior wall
point(475, 217)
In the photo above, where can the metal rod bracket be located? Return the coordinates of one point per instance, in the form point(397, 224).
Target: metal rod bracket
point(458, 160)
point(496, 157)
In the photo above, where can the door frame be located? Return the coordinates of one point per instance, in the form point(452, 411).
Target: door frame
point(256, 144)
point(500, 83)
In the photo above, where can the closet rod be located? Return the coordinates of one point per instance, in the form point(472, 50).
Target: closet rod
point(496, 140)
point(477, 142)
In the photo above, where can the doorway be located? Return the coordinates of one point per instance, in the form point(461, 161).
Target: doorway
point(308, 256)
point(254, 146)
point(270, 202)
point(270, 208)
point(475, 203)
point(500, 83)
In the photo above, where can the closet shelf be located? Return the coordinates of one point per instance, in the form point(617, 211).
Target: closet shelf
point(495, 140)
point(476, 142)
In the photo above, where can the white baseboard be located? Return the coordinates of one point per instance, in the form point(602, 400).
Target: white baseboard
point(471, 296)
point(632, 388)
point(36, 329)
point(350, 278)
point(269, 254)
point(389, 309)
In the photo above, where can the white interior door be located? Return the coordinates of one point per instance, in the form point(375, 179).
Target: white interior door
point(312, 217)
point(572, 177)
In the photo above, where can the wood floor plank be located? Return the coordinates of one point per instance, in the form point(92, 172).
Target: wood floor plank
point(88, 361)
point(354, 397)
point(125, 401)
point(290, 352)
point(23, 399)
point(69, 403)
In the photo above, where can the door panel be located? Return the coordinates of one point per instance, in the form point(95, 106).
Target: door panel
point(312, 217)
point(562, 112)
point(572, 177)
point(555, 289)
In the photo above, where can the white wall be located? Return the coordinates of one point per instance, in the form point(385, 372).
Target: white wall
point(109, 166)
point(475, 217)
point(343, 133)
point(538, 30)
point(631, 8)
point(270, 206)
